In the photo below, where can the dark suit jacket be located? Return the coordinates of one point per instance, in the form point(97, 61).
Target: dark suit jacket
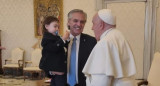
point(87, 43)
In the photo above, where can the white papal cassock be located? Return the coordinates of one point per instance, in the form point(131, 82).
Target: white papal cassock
point(111, 62)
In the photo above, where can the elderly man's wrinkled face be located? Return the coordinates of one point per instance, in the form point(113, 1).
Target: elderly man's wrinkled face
point(76, 23)
point(96, 27)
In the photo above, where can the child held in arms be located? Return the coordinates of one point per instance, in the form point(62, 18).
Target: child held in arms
point(54, 57)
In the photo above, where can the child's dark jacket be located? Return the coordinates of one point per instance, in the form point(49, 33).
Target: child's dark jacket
point(54, 56)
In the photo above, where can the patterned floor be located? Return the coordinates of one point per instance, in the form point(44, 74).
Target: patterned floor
point(19, 81)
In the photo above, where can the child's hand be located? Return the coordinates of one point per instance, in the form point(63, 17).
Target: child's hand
point(3, 48)
point(57, 73)
point(66, 35)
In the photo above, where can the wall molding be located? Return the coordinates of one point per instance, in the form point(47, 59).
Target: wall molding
point(123, 1)
point(101, 3)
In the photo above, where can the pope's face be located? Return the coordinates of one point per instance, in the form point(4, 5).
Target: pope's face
point(76, 23)
point(96, 27)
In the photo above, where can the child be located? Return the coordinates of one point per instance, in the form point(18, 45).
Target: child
point(53, 60)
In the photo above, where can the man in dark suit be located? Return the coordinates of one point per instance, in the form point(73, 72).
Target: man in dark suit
point(84, 45)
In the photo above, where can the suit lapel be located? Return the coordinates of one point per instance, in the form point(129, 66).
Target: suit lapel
point(81, 47)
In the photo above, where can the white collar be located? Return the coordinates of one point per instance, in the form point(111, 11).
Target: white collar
point(77, 37)
point(105, 33)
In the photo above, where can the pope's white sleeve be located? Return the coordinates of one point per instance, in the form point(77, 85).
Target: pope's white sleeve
point(88, 81)
point(100, 80)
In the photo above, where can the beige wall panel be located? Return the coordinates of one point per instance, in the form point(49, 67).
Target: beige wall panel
point(17, 25)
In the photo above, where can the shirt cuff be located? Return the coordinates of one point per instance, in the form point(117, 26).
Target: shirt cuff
point(63, 40)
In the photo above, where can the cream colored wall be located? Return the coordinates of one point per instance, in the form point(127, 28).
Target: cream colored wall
point(157, 47)
point(17, 23)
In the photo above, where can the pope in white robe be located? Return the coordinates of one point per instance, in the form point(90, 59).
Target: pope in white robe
point(111, 62)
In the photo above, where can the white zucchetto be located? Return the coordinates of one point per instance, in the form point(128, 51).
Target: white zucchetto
point(107, 16)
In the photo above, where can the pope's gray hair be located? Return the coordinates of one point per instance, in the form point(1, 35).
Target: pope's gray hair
point(77, 11)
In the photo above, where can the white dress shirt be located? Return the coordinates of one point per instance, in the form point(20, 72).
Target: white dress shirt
point(77, 52)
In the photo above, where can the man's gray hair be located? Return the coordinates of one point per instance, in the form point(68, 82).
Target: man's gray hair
point(77, 11)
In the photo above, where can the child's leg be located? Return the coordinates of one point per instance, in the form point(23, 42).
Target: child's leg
point(59, 80)
point(52, 83)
